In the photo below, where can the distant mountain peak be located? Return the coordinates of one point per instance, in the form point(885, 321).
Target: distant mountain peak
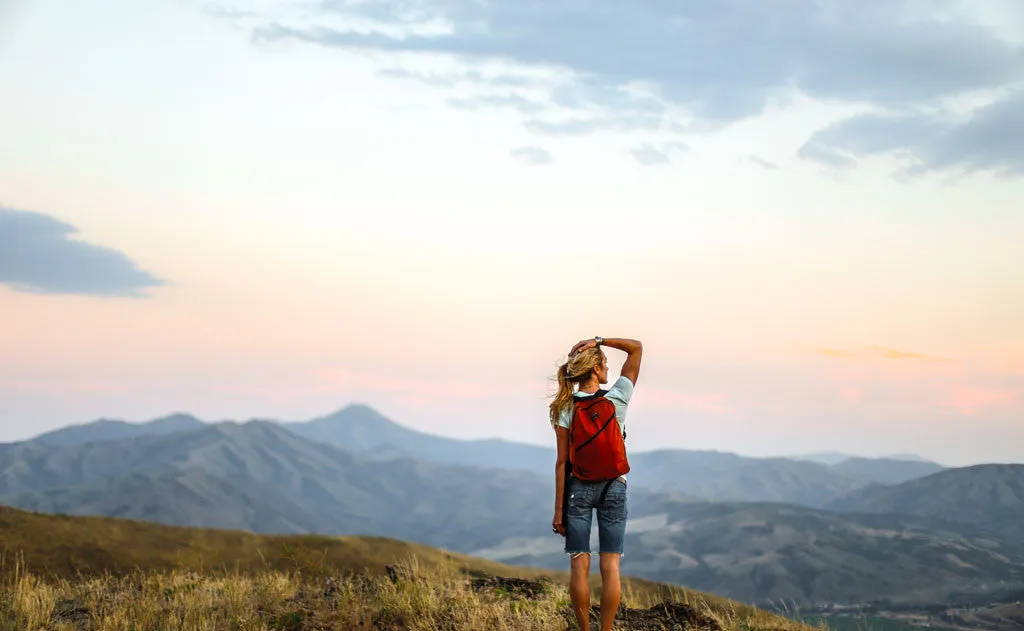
point(178, 419)
point(354, 410)
point(175, 416)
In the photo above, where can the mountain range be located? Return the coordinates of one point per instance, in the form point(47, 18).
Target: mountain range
point(709, 475)
point(258, 476)
point(752, 529)
point(990, 497)
point(701, 474)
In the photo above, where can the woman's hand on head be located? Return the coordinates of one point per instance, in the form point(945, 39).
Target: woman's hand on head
point(583, 345)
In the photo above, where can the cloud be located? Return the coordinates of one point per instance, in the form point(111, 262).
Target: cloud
point(38, 255)
point(648, 154)
point(514, 101)
point(452, 79)
point(720, 60)
point(893, 353)
point(677, 67)
point(761, 162)
point(724, 57)
point(229, 13)
point(619, 122)
point(883, 352)
point(989, 138)
point(532, 155)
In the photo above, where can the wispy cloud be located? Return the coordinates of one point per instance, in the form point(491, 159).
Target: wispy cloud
point(718, 62)
point(878, 352)
point(895, 353)
point(454, 78)
point(38, 254)
point(230, 13)
point(649, 154)
point(498, 101)
point(989, 138)
point(532, 155)
point(761, 162)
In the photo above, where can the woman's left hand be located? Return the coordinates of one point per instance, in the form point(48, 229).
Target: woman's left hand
point(556, 524)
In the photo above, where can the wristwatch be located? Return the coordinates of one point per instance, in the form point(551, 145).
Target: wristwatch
point(599, 340)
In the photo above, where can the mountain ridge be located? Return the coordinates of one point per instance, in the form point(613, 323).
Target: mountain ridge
point(111, 429)
point(713, 475)
point(989, 494)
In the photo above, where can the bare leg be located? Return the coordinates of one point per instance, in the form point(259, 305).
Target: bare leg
point(611, 590)
point(579, 590)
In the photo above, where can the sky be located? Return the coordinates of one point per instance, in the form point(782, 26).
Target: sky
point(809, 211)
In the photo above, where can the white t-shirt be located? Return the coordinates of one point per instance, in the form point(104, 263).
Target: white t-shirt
point(619, 394)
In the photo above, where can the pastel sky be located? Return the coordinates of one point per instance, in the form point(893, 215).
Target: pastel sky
point(810, 211)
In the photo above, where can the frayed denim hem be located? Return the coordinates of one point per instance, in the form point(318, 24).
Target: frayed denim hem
point(579, 554)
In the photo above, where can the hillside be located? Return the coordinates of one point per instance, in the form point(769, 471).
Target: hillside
point(885, 470)
point(65, 546)
point(727, 477)
point(991, 496)
point(760, 553)
point(163, 565)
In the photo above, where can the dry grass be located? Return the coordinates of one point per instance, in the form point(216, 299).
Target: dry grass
point(439, 598)
point(60, 572)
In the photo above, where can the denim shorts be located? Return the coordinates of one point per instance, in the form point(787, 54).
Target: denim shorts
point(611, 516)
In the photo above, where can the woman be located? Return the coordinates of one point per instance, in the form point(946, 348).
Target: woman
point(579, 380)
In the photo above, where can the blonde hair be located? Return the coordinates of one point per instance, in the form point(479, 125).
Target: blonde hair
point(569, 375)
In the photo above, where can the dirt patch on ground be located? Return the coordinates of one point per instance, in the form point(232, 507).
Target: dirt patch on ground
point(667, 616)
point(515, 587)
point(670, 616)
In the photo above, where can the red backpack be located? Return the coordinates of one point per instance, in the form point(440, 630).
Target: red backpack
point(597, 447)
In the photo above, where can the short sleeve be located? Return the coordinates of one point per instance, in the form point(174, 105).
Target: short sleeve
point(621, 391)
point(565, 417)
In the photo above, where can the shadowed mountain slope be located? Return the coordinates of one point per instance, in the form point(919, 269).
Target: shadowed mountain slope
point(989, 495)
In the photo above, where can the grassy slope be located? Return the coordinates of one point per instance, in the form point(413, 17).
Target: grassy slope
point(65, 547)
point(70, 550)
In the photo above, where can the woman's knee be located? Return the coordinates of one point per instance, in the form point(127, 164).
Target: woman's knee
point(580, 562)
point(610, 563)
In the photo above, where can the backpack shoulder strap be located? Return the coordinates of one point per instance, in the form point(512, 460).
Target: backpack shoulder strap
point(588, 398)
